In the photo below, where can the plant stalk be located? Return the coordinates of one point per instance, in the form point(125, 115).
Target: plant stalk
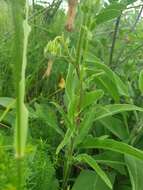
point(82, 47)
point(114, 40)
point(22, 31)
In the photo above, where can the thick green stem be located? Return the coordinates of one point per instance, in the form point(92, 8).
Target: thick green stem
point(22, 31)
point(17, 8)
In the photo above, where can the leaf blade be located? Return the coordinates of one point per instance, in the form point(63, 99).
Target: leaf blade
point(109, 144)
point(91, 162)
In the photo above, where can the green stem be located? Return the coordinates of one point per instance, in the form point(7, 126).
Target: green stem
point(67, 166)
point(19, 174)
point(84, 48)
point(17, 8)
point(126, 123)
point(79, 66)
point(22, 30)
point(80, 46)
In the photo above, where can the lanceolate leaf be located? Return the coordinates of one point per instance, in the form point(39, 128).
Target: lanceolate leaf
point(85, 126)
point(92, 163)
point(101, 112)
point(63, 114)
point(135, 171)
point(9, 103)
point(104, 82)
point(108, 157)
point(113, 145)
point(72, 107)
point(46, 114)
point(116, 126)
point(112, 76)
point(107, 15)
point(89, 180)
point(91, 97)
point(65, 140)
point(110, 110)
point(69, 83)
point(110, 12)
point(115, 161)
point(6, 101)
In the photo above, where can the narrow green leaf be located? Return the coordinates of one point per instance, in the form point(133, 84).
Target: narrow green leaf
point(91, 97)
point(65, 140)
point(107, 15)
point(71, 84)
point(89, 180)
point(100, 113)
point(110, 12)
point(122, 88)
point(6, 101)
point(135, 171)
point(110, 110)
point(113, 145)
point(85, 126)
point(141, 81)
point(72, 107)
point(63, 114)
point(115, 161)
point(92, 163)
point(48, 116)
point(8, 108)
point(104, 82)
point(116, 126)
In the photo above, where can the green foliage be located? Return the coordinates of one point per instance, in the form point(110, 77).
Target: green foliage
point(85, 110)
point(91, 162)
point(112, 145)
point(141, 81)
point(41, 171)
point(135, 172)
point(89, 180)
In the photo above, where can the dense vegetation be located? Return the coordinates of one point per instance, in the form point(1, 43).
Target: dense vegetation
point(71, 95)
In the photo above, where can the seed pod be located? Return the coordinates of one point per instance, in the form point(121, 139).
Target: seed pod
point(72, 4)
